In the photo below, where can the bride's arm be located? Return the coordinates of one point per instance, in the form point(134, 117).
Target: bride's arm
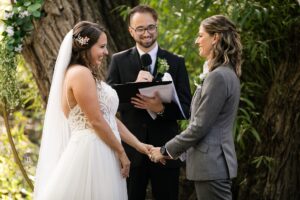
point(131, 140)
point(84, 90)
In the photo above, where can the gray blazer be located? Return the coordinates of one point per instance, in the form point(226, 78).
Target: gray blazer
point(208, 138)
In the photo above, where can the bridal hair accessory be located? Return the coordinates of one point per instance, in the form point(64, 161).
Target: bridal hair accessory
point(82, 40)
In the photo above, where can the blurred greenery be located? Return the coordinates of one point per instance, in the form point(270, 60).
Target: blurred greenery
point(26, 126)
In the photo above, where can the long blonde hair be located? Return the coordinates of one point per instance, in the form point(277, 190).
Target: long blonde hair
point(228, 49)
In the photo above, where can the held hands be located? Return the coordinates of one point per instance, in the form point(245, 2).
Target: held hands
point(144, 148)
point(144, 76)
point(156, 156)
point(153, 104)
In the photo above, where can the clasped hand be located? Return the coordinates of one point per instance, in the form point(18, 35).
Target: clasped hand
point(156, 156)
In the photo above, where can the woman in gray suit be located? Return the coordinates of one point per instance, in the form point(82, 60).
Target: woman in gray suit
point(208, 140)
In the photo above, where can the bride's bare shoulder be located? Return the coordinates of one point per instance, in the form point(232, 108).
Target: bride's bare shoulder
point(78, 72)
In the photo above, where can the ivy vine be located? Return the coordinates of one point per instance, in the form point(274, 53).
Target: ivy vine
point(18, 22)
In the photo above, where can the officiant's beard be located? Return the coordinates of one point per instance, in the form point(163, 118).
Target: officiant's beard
point(147, 44)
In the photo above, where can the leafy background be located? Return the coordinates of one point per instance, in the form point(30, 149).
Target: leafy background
point(264, 27)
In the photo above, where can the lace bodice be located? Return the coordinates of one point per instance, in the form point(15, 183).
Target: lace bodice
point(108, 101)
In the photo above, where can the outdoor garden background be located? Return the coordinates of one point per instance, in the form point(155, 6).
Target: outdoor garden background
point(267, 129)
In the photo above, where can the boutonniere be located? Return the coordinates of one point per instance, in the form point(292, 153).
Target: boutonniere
point(162, 68)
point(162, 65)
point(198, 81)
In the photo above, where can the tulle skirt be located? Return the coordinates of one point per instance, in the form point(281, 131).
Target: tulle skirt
point(87, 170)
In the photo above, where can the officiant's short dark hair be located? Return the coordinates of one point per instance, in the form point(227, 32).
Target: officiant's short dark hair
point(142, 9)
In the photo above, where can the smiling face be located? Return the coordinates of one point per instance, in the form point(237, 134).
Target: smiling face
point(145, 39)
point(205, 43)
point(99, 50)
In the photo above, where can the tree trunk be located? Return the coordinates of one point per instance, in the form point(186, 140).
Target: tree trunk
point(59, 16)
point(280, 129)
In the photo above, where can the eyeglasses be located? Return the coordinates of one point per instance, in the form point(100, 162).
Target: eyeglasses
point(141, 30)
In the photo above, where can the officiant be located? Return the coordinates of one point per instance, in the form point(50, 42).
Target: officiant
point(146, 62)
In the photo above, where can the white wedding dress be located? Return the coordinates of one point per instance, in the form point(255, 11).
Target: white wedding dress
point(88, 169)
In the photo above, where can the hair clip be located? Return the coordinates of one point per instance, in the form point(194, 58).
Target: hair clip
point(82, 40)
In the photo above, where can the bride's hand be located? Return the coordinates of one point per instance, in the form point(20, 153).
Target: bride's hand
point(144, 148)
point(125, 164)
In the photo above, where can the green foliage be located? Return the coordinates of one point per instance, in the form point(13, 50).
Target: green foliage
point(263, 161)
point(26, 129)
point(18, 22)
point(9, 93)
point(13, 185)
point(244, 129)
point(122, 10)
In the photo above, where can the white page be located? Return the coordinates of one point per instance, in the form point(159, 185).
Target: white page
point(166, 92)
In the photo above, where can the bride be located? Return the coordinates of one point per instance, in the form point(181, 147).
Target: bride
point(81, 155)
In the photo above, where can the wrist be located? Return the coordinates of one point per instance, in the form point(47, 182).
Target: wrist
point(120, 152)
point(163, 151)
point(162, 111)
point(137, 145)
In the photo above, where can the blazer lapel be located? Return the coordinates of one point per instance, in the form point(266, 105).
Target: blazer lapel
point(135, 60)
point(161, 55)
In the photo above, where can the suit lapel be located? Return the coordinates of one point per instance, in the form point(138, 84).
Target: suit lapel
point(161, 55)
point(135, 60)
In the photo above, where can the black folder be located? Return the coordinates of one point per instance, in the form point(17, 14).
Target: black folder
point(128, 90)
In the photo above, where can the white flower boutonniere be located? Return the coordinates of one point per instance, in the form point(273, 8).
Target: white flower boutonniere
point(198, 81)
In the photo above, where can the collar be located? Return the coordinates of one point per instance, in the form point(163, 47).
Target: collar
point(152, 52)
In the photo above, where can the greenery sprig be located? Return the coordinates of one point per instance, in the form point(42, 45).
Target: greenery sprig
point(18, 23)
point(9, 91)
point(163, 65)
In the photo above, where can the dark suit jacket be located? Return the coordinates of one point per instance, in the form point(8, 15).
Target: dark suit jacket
point(124, 67)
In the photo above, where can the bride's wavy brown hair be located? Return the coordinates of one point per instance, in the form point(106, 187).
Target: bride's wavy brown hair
point(228, 49)
point(81, 53)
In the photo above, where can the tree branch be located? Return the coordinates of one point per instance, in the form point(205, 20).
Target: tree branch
point(13, 147)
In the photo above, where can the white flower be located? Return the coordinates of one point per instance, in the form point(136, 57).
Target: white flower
point(10, 31)
point(8, 15)
point(202, 76)
point(200, 79)
point(19, 9)
point(19, 48)
point(24, 14)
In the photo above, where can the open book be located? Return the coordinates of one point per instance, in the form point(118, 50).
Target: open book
point(165, 89)
point(167, 93)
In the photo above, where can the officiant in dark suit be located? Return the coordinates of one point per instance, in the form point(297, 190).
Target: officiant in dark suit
point(141, 63)
point(211, 159)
